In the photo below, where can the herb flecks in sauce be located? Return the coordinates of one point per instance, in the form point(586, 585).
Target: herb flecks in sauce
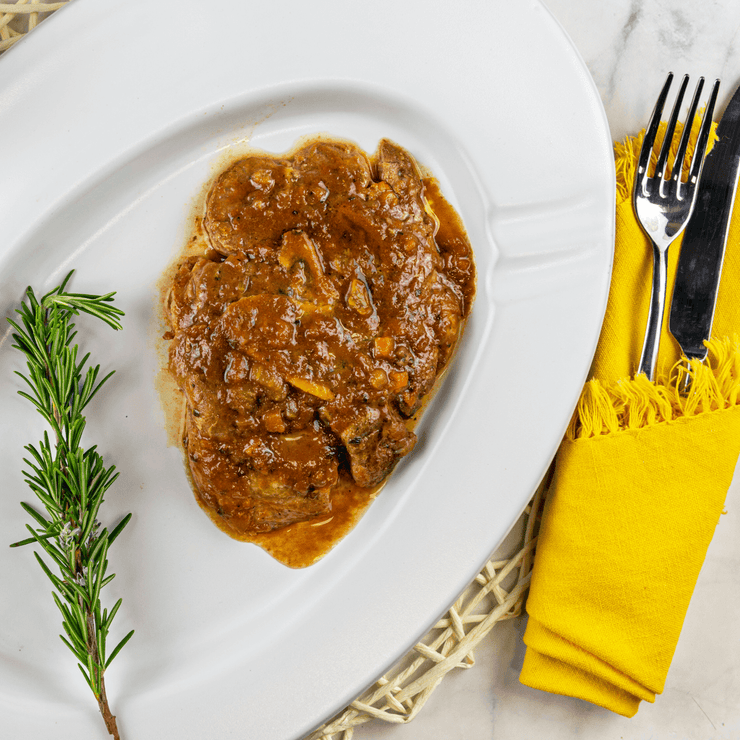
point(307, 336)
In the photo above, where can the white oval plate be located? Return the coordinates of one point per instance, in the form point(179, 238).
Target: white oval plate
point(112, 116)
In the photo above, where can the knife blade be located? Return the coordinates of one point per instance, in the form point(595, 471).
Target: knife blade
point(705, 238)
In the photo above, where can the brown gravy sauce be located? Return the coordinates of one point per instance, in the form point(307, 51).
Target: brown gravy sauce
point(300, 544)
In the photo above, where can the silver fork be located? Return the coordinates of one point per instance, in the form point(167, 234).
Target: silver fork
point(663, 203)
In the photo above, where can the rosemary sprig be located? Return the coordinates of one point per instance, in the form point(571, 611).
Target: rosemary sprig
point(70, 481)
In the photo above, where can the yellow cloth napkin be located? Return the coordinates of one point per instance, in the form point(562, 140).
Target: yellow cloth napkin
point(638, 488)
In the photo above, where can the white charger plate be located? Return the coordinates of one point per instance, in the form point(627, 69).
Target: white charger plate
point(112, 116)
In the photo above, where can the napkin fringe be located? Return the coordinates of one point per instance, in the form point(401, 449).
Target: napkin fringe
point(636, 403)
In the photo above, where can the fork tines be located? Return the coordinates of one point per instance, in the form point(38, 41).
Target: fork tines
point(674, 177)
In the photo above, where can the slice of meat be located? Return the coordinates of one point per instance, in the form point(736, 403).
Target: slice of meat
point(250, 205)
point(312, 331)
point(375, 440)
point(243, 487)
point(397, 168)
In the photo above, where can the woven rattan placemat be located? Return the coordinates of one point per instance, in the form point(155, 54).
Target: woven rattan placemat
point(496, 594)
point(18, 18)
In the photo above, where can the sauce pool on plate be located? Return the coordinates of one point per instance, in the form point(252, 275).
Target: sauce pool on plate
point(311, 316)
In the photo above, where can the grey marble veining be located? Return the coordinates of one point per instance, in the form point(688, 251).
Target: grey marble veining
point(629, 46)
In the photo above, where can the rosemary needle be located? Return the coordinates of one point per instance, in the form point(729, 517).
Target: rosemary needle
point(68, 480)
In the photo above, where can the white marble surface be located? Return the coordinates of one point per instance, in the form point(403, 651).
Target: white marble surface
point(629, 46)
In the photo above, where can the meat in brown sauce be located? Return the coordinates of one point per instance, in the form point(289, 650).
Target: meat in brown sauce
point(310, 332)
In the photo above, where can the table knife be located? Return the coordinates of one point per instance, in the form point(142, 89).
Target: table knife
point(703, 248)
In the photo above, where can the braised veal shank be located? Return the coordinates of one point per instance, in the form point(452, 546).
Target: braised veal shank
point(308, 334)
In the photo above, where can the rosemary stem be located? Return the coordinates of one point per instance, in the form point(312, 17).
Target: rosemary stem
point(92, 647)
point(70, 482)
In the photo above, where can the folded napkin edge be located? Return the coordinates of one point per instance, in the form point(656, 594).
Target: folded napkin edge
point(545, 673)
point(558, 647)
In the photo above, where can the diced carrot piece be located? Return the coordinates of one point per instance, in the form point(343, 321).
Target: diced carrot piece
point(383, 347)
point(399, 380)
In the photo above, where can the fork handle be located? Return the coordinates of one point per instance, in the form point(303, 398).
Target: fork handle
point(655, 316)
